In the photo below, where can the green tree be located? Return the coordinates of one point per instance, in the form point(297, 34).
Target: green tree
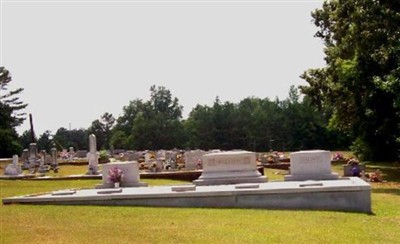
point(25, 139)
point(102, 129)
point(360, 82)
point(119, 140)
point(76, 138)
point(10, 116)
point(45, 141)
point(197, 128)
point(154, 124)
point(122, 131)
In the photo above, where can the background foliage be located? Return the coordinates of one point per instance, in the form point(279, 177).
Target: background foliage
point(360, 83)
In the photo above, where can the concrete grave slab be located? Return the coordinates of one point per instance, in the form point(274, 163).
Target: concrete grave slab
point(347, 194)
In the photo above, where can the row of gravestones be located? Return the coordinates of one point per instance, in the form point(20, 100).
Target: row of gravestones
point(33, 161)
point(236, 167)
point(167, 159)
point(164, 159)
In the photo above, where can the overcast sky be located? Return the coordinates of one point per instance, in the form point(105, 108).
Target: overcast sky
point(78, 60)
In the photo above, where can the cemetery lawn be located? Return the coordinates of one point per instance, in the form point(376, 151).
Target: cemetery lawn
point(98, 224)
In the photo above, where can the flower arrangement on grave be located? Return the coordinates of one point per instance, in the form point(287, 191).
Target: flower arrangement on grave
point(338, 157)
point(115, 174)
point(353, 161)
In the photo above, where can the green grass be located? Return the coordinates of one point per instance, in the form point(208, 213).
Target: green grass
point(98, 224)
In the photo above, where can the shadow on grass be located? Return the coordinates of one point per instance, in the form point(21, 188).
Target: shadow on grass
point(390, 171)
point(393, 191)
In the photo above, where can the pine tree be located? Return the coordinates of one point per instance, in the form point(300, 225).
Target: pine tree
point(11, 116)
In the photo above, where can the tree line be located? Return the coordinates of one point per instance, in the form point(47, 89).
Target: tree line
point(252, 124)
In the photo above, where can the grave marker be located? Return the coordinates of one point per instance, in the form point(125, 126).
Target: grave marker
point(230, 167)
point(310, 165)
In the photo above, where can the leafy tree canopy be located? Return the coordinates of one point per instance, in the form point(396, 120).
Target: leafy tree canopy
point(360, 83)
point(152, 124)
point(102, 129)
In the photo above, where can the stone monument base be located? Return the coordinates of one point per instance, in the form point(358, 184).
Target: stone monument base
point(232, 177)
point(122, 184)
point(301, 177)
point(12, 169)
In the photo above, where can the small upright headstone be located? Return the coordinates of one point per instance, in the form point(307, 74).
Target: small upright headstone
point(33, 157)
point(170, 160)
point(160, 155)
point(54, 163)
point(81, 153)
point(25, 159)
point(14, 168)
point(130, 177)
point(117, 152)
point(48, 160)
point(149, 157)
point(192, 158)
point(310, 165)
point(93, 156)
point(42, 166)
point(130, 156)
point(71, 153)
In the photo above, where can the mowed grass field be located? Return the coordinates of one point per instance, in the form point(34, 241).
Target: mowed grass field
point(97, 224)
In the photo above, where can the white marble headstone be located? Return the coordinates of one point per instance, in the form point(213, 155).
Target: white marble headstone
point(14, 168)
point(310, 165)
point(93, 156)
point(131, 177)
point(230, 167)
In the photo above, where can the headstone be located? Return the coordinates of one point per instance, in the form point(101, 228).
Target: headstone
point(71, 153)
point(130, 178)
point(54, 162)
point(117, 152)
point(25, 159)
point(81, 153)
point(348, 169)
point(192, 159)
point(64, 154)
point(170, 161)
point(232, 167)
point(42, 166)
point(33, 156)
point(159, 165)
point(130, 156)
point(93, 156)
point(160, 155)
point(14, 168)
point(48, 160)
point(150, 161)
point(310, 165)
point(149, 157)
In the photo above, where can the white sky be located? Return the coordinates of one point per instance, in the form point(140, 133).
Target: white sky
point(79, 59)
